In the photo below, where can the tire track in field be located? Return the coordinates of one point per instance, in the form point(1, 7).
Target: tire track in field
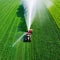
point(5, 4)
point(9, 35)
point(7, 25)
point(6, 32)
point(10, 42)
point(5, 20)
point(6, 13)
point(2, 41)
point(12, 54)
point(5, 44)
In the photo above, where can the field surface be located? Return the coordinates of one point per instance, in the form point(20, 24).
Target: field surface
point(45, 43)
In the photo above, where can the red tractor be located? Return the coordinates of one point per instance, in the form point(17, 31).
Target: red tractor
point(27, 37)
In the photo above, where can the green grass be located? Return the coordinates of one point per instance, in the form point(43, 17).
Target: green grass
point(55, 11)
point(45, 43)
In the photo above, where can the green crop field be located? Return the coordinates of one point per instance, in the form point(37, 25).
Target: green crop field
point(55, 11)
point(45, 44)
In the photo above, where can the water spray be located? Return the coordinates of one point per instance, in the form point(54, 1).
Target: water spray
point(18, 40)
point(31, 7)
point(30, 11)
point(48, 3)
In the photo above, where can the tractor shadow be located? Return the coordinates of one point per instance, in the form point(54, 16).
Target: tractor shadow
point(22, 24)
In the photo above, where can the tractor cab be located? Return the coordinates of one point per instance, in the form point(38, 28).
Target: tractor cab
point(27, 37)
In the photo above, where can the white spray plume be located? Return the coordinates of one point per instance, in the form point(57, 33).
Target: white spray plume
point(18, 40)
point(48, 3)
point(30, 10)
point(31, 7)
